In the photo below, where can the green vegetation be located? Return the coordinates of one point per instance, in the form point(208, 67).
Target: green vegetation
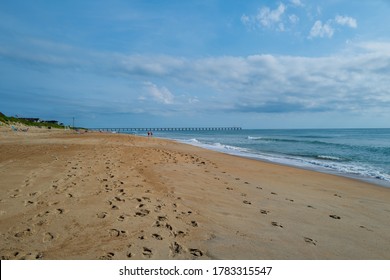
point(14, 120)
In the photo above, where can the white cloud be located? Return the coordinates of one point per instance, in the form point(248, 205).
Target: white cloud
point(377, 47)
point(161, 95)
point(346, 21)
point(321, 30)
point(267, 17)
point(297, 3)
point(277, 19)
point(327, 29)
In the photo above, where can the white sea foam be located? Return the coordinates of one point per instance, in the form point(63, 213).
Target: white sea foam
point(329, 157)
point(351, 169)
point(193, 140)
point(254, 138)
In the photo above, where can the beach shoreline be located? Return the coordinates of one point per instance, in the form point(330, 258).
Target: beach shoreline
point(118, 196)
point(345, 166)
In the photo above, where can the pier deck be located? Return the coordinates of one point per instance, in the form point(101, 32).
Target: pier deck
point(136, 129)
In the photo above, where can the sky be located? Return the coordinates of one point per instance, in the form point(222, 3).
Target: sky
point(197, 63)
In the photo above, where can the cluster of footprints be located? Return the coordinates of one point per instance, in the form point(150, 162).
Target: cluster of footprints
point(146, 221)
point(42, 206)
point(138, 222)
point(147, 224)
point(135, 217)
point(276, 224)
point(219, 176)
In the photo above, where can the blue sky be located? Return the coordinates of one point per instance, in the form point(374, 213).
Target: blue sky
point(255, 64)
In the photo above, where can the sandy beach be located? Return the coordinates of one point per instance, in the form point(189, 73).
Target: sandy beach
point(109, 196)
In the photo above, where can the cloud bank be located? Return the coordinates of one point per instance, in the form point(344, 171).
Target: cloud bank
point(261, 83)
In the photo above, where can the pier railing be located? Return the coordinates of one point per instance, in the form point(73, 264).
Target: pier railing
point(136, 129)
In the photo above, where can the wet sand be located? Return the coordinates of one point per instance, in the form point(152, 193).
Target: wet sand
point(109, 196)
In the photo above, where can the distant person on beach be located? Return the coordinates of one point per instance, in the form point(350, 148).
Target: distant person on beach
point(150, 134)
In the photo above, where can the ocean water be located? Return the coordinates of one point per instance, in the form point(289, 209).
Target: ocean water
point(358, 153)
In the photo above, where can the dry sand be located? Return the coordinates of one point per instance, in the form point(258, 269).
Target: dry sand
point(107, 196)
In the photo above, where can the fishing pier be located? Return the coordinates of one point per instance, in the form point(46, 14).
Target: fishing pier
point(136, 129)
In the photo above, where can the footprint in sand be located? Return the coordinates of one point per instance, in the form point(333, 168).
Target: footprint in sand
point(175, 248)
point(366, 228)
point(196, 252)
point(43, 214)
point(26, 232)
point(247, 202)
point(157, 224)
point(141, 237)
point(264, 212)
point(168, 227)
point(162, 218)
point(276, 224)
point(24, 256)
point(108, 256)
point(310, 241)
point(115, 233)
point(147, 252)
point(29, 202)
point(101, 215)
point(157, 236)
point(48, 237)
point(194, 223)
point(142, 213)
point(119, 199)
point(335, 217)
point(179, 234)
